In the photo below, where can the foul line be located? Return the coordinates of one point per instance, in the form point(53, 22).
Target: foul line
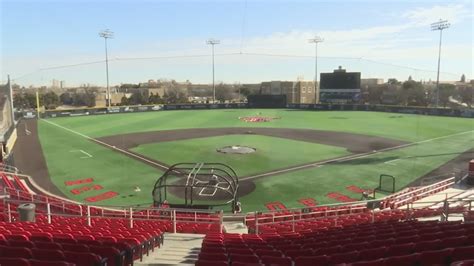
point(336, 160)
point(349, 158)
point(106, 144)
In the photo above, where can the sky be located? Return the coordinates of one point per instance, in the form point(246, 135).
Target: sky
point(259, 40)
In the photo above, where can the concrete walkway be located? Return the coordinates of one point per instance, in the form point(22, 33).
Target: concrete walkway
point(178, 249)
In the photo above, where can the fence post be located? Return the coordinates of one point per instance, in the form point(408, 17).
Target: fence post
point(293, 222)
point(173, 214)
point(256, 222)
point(131, 218)
point(48, 211)
point(88, 215)
point(9, 213)
point(444, 215)
point(373, 216)
point(221, 220)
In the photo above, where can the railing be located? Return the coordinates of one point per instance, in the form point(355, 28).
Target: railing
point(132, 214)
point(358, 213)
point(8, 169)
point(414, 195)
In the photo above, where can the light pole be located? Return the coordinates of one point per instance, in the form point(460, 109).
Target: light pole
point(213, 42)
point(316, 40)
point(107, 34)
point(440, 25)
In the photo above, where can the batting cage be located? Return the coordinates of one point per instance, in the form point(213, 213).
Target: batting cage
point(197, 186)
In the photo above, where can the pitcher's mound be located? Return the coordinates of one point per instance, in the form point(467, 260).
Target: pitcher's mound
point(237, 149)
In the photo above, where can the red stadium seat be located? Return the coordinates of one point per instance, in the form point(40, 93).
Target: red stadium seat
point(372, 254)
point(406, 260)
point(16, 252)
point(400, 250)
point(113, 255)
point(344, 257)
point(369, 263)
point(48, 245)
point(463, 253)
point(211, 263)
point(312, 260)
point(14, 262)
point(82, 259)
point(49, 263)
point(21, 243)
point(463, 263)
point(244, 258)
point(435, 257)
point(428, 245)
point(46, 254)
point(453, 242)
point(270, 260)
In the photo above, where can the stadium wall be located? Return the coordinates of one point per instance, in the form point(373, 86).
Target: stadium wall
point(7, 125)
point(465, 112)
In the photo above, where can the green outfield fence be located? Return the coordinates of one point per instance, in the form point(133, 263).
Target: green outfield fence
point(458, 112)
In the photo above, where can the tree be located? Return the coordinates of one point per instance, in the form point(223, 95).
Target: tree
point(393, 82)
point(467, 95)
point(413, 93)
point(375, 94)
point(223, 92)
point(172, 96)
point(124, 100)
point(51, 100)
point(446, 91)
point(410, 78)
point(65, 98)
point(463, 78)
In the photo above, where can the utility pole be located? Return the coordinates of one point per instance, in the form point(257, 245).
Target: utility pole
point(315, 40)
point(213, 42)
point(440, 25)
point(107, 34)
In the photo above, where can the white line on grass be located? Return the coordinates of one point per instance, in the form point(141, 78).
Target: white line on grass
point(350, 157)
point(83, 157)
point(391, 162)
point(336, 160)
point(106, 144)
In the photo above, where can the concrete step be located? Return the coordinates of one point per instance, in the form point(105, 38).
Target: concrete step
point(235, 227)
point(178, 249)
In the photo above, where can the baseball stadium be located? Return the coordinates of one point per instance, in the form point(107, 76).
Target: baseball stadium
point(178, 151)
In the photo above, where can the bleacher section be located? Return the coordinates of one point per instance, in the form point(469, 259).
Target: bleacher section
point(380, 243)
point(70, 233)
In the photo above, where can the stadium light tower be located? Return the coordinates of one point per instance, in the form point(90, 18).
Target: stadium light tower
point(440, 25)
point(213, 42)
point(315, 40)
point(107, 34)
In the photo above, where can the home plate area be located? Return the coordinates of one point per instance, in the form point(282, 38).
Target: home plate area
point(211, 187)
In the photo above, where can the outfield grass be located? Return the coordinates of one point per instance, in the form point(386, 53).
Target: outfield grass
point(405, 164)
point(119, 173)
point(271, 152)
point(397, 126)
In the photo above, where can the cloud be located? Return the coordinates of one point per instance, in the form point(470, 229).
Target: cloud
point(425, 16)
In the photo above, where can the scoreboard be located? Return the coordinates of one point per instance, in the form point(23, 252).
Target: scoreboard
point(340, 87)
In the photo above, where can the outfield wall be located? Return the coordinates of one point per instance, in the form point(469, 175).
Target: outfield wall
point(465, 112)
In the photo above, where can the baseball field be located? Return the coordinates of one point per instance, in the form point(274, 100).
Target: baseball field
point(301, 157)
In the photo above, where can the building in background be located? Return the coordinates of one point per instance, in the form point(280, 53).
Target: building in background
point(340, 87)
point(371, 82)
point(295, 91)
